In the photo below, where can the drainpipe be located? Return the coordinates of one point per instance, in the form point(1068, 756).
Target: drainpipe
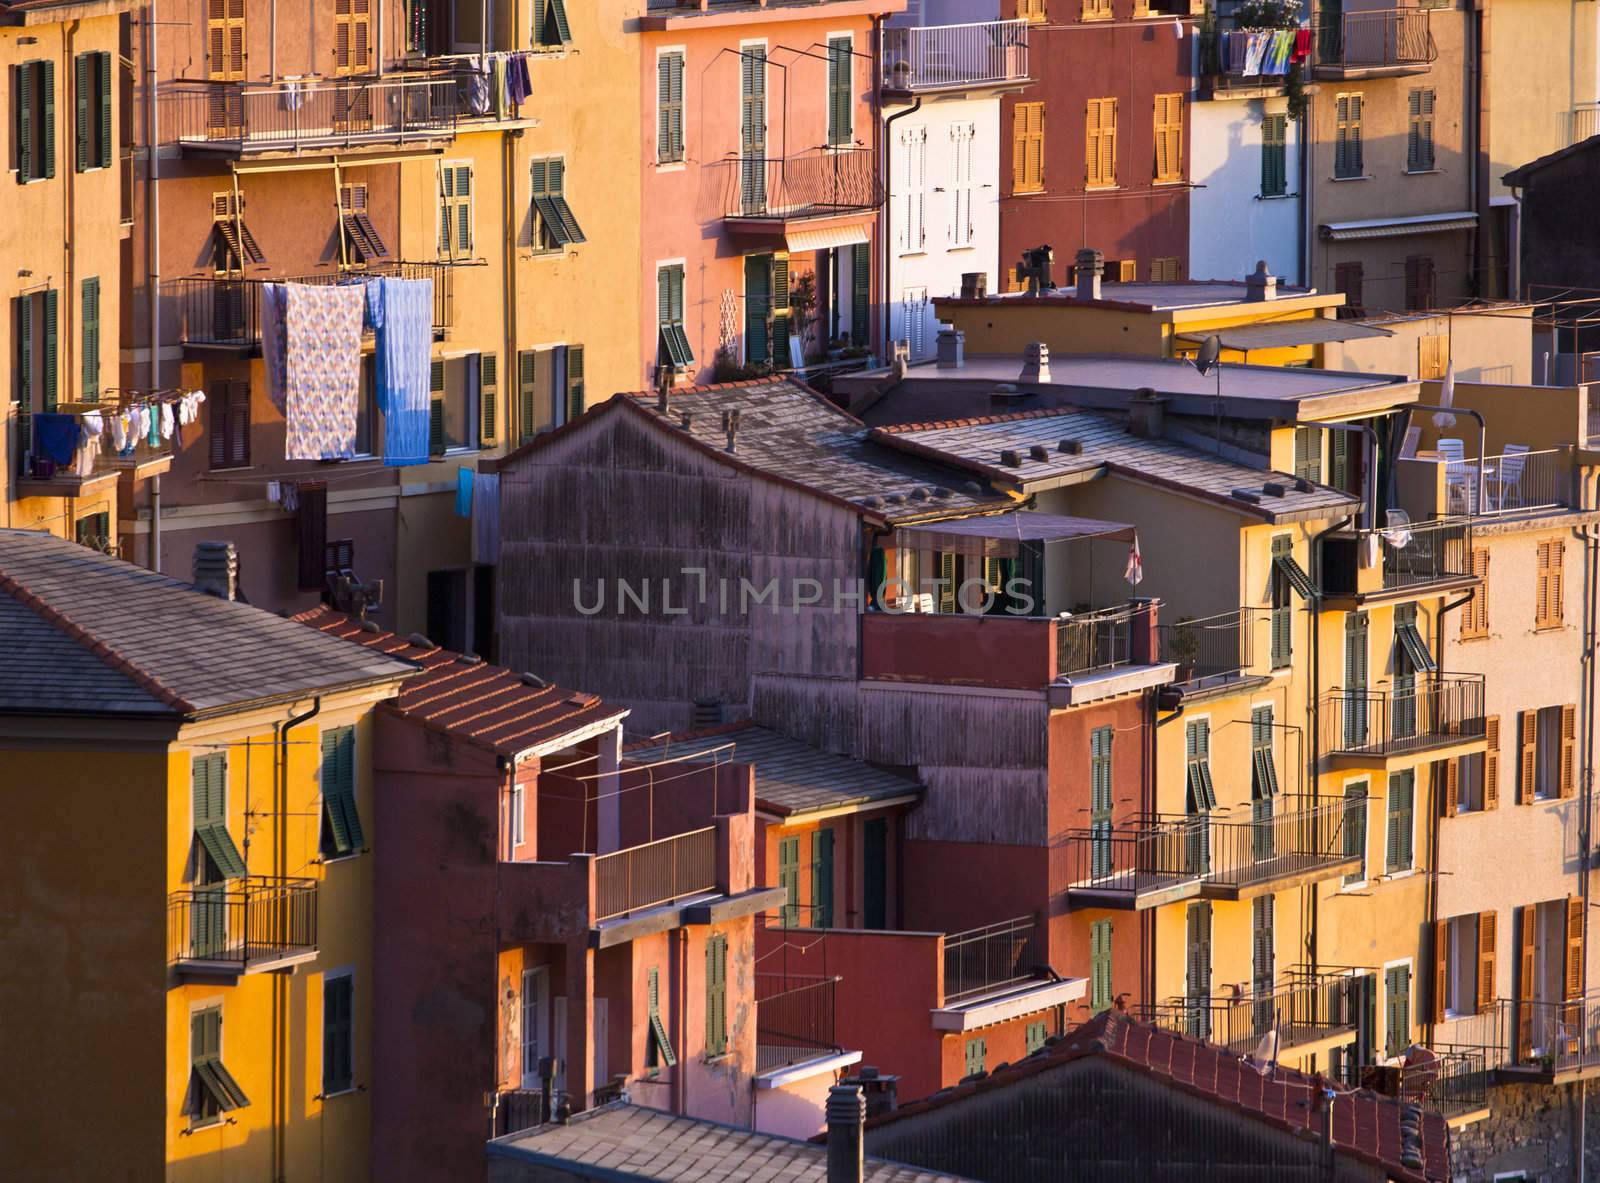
point(1586, 817)
point(1306, 212)
point(280, 983)
point(1313, 701)
point(888, 210)
point(1147, 921)
point(152, 217)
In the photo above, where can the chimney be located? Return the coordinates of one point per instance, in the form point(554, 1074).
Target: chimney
point(847, 1115)
point(974, 285)
point(1145, 413)
point(216, 570)
point(952, 348)
point(899, 359)
point(664, 379)
point(730, 424)
point(1260, 284)
point(1091, 265)
point(1035, 363)
point(882, 1091)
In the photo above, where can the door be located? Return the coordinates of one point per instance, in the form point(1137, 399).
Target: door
point(225, 54)
point(1355, 680)
point(535, 1023)
point(875, 873)
point(1100, 801)
point(1403, 714)
point(753, 128)
point(757, 309)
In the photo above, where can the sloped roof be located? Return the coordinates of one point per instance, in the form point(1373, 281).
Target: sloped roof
point(792, 778)
point(1521, 175)
point(86, 633)
point(623, 1141)
point(1365, 1124)
point(469, 698)
point(978, 444)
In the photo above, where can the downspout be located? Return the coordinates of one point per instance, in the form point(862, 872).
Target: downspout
point(888, 210)
point(69, 205)
point(280, 983)
point(1306, 141)
point(152, 216)
point(1147, 921)
point(1313, 704)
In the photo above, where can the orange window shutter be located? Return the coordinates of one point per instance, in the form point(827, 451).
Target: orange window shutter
point(1091, 141)
point(1486, 969)
point(1569, 731)
point(1574, 967)
point(1441, 968)
point(1558, 552)
point(1491, 763)
point(1526, 917)
point(1542, 597)
point(1108, 143)
point(1527, 756)
point(1452, 787)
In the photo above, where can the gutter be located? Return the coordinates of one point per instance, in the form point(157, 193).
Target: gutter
point(888, 207)
point(1313, 702)
point(152, 215)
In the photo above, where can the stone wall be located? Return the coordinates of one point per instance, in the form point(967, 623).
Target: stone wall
point(1532, 1128)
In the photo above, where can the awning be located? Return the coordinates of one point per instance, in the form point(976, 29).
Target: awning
point(1315, 330)
point(823, 238)
point(999, 536)
point(1399, 227)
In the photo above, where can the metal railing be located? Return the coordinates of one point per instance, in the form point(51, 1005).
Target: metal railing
point(1585, 122)
point(1290, 835)
point(137, 450)
point(251, 919)
point(1095, 640)
point(1422, 552)
point(794, 1020)
point(225, 312)
point(1452, 1080)
point(1378, 722)
point(994, 957)
point(1374, 39)
point(317, 113)
point(1512, 482)
point(655, 873)
point(934, 57)
point(1301, 1010)
point(813, 184)
point(1212, 646)
point(517, 1110)
point(1147, 854)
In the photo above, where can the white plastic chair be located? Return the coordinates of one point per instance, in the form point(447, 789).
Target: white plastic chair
point(1457, 474)
point(1508, 475)
point(1397, 528)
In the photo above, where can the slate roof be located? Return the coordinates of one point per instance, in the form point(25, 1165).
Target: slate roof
point(622, 1141)
point(86, 633)
point(1365, 1124)
point(467, 697)
point(792, 778)
point(1105, 442)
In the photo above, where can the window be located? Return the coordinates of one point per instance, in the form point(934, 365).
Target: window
point(1308, 453)
point(1464, 967)
point(554, 226)
point(716, 994)
point(1030, 10)
point(1122, 270)
point(964, 136)
point(1400, 834)
point(669, 108)
point(91, 101)
point(914, 147)
point(228, 414)
point(1465, 780)
point(1100, 134)
point(489, 397)
point(1274, 155)
point(360, 235)
point(1420, 288)
point(1262, 953)
point(822, 878)
point(1169, 138)
point(232, 243)
point(455, 209)
point(841, 91)
point(212, 1088)
point(1546, 754)
point(1034, 1036)
point(977, 1053)
point(1097, 10)
point(766, 309)
point(34, 101)
point(215, 855)
point(1356, 703)
point(225, 40)
point(1166, 270)
point(674, 346)
point(90, 314)
point(455, 412)
point(1397, 1008)
point(789, 879)
point(1100, 743)
point(1347, 281)
point(577, 394)
point(341, 824)
point(753, 128)
point(1099, 965)
point(1548, 596)
point(860, 293)
point(1027, 148)
point(1197, 963)
point(1282, 606)
point(535, 1023)
point(550, 27)
point(352, 36)
point(1411, 657)
point(1202, 794)
point(94, 531)
point(1419, 139)
point(914, 321)
point(1348, 161)
point(1355, 830)
point(338, 1033)
point(519, 805)
point(657, 1047)
point(1263, 769)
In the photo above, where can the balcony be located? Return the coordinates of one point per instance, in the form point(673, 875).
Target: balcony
point(799, 198)
point(1229, 69)
point(1211, 652)
point(1381, 43)
point(1400, 560)
point(1585, 122)
point(225, 314)
point(247, 925)
point(941, 59)
point(1163, 859)
point(139, 460)
point(991, 959)
point(656, 873)
point(1442, 713)
point(794, 1020)
point(1310, 1012)
point(1516, 481)
point(238, 119)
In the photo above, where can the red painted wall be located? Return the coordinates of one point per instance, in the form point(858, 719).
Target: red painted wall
point(965, 650)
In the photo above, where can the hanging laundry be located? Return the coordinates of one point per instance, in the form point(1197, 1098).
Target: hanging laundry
point(486, 519)
point(119, 430)
point(88, 451)
point(464, 477)
point(274, 493)
point(519, 84)
point(1277, 62)
point(1302, 45)
point(168, 421)
point(153, 436)
point(55, 436)
point(478, 90)
point(497, 86)
point(322, 369)
point(291, 497)
point(93, 423)
point(1238, 50)
point(402, 351)
point(1255, 53)
point(273, 347)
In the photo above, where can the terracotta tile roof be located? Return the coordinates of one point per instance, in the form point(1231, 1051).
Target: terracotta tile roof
point(87, 633)
point(470, 699)
point(1365, 1124)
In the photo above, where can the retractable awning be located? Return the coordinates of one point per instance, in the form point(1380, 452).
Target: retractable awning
point(1318, 330)
point(1399, 227)
point(1001, 535)
point(823, 238)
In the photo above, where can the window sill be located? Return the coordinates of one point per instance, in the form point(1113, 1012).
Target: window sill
point(1027, 192)
point(1276, 196)
point(671, 166)
point(962, 248)
point(352, 1090)
point(913, 254)
point(329, 859)
point(234, 468)
point(210, 1124)
point(1421, 172)
point(1467, 640)
point(1394, 876)
point(1166, 182)
point(1548, 628)
point(1342, 180)
point(546, 252)
point(1358, 885)
point(1111, 188)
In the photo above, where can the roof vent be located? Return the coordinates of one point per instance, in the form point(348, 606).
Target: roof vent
point(535, 681)
point(1070, 447)
point(1275, 489)
point(1039, 452)
point(1302, 485)
point(216, 570)
point(896, 498)
point(919, 494)
point(940, 493)
point(1247, 495)
point(468, 659)
point(873, 502)
point(420, 641)
point(1260, 284)
point(1010, 458)
point(686, 420)
point(952, 348)
point(1006, 390)
point(582, 699)
point(1035, 363)
point(1146, 413)
point(1090, 266)
point(730, 425)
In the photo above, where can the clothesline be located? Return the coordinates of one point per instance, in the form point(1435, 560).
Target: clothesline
point(72, 439)
point(1252, 53)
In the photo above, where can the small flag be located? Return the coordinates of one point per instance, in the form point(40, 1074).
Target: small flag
point(1447, 397)
point(1134, 573)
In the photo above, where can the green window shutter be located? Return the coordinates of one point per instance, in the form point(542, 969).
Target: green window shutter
point(860, 293)
point(576, 394)
point(1355, 830)
point(52, 326)
point(82, 67)
point(446, 209)
point(24, 378)
point(658, 1049)
point(26, 118)
point(463, 211)
point(716, 995)
point(338, 1067)
point(47, 137)
point(1274, 148)
point(841, 75)
point(527, 371)
point(539, 172)
point(436, 442)
point(91, 339)
point(822, 878)
point(489, 396)
point(669, 108)
point(341, 823)
point(977, 1050)
point(105, 135)
point(209, 780)
point(757, 308)
point(789, 879)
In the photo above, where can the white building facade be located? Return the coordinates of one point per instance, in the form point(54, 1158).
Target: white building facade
point(1247, 202)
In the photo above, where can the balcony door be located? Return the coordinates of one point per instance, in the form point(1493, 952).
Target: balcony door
point(753, 129)
point(1403, 710)
point(1355, 680)
point(535, 1023)
point(225, 57)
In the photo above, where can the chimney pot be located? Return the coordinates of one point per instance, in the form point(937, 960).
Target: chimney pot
point(847, 1116)
point(1260, 284)
point(216, 570)
point(952, 348)
point(1091, 266)
point(664, 379)
point(974, 285)
point(1146, 411)
point(730, 424)
point(1035, 363)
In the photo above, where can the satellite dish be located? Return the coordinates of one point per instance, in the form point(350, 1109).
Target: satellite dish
point(1210, 350)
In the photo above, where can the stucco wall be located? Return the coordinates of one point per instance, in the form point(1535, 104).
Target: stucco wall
point(1231, 225)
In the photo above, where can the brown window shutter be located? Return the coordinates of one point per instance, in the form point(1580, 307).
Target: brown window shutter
point(1574, 967)
point(1558, 552)
point(1491, 763)
point(313, 534)
point(1441, 968)
point(1527, 915)
point(1486, 940)
point(1452, 787)
point(1569, 733)
point(1527, 756)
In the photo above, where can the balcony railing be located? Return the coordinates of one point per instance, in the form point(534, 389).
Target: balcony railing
point(822, 183)
point(245, 924)
point(226, 313)
point(1515, 481)
point(1289, 837)
point(1212, 648)
point(1302, 1010)
point(989, 959)
point(949, 57)
point(1398, 40)
point(242, 117)
point(1392, 722)
point(655, 873)
point(1095, 641)
point(1585, 122)
point(1407, 555)
point(794, 1020)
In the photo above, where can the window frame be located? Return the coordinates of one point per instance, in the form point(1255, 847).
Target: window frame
point(841, 89)
point(1358, 878)
point(1028, 144)
point(1349, 153)
point(671, 137)
point(456, 209)
point(716, 995)
point(33, 129)
point(519, 805)
point(332, 809)
point(347, 976)
point(1274, 154)
point(94, 124)
point(1393, 867)
point(672, 344)
point(1421, 150)
point(1168, 135)
point(1100, 143)
point(1409, 965)
point(555, 227)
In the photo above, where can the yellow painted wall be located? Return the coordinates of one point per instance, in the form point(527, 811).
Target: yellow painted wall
point(1541, 66)
point(1495, 345)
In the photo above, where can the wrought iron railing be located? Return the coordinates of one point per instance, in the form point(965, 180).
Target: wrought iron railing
point(655, 873)
point(1291, 836)
point(1585, 122)
point(794, 1019)
point(1374, 39)
point(994, 957)
point(1212, 647)
point(1387, 722)
point(1143, 855)
point(819, 183)
point(1301, 1010)
point(935, 57)
point(1095, 640)
point(251, 919)
point(314, 113)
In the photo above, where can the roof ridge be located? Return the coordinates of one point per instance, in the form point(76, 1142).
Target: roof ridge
point(978, 420)
point(99, 648)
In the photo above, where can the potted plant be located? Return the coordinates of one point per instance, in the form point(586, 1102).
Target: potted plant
point(1184, 647)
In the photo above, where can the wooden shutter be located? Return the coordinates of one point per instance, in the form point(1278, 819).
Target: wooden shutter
point(1027, 148)
point(52, 327)
point(1274, 141)
point(1491, 763)
point(1569, 729)
point(103, 61)
point(757, 308)
point(716, 995)
point(312, 534)
point(527, 377)
point(1475, 617)
point(225, 39)
point(1527, 756)
point(861, 294)
point(1574, 959)
point(24, 371)
point(577, 393)
point(436, 441)
point(841, 73)
point(1169, 137)
point(352, 36)
point(229, 415)
point(82, 70)
point(1486, 942)
point(1441, 969)
point(25, 121)
point(947, 581)
point(1100, 143)
point(489, 396)
point(47, 130)
point(1527, 924)
point(90, 312)
point(669, 107)
point(1452, 787)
